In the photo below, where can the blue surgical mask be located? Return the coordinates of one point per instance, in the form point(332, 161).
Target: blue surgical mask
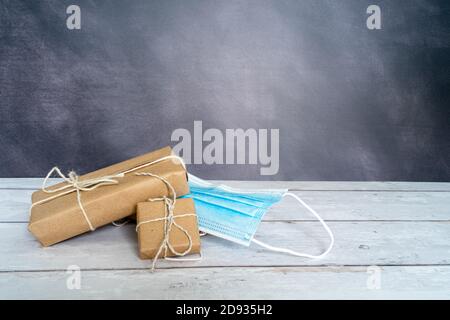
point(235, 214)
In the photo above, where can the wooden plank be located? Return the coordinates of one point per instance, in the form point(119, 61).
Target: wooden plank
point(15, 205)
point(357, 243)
point(343, 185)
point(234, 283)
point(346, 205)
point(35, 183)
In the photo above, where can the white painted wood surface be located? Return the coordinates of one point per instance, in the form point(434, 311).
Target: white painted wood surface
point(35, 183)
point(401, 229)
point(333, 205)
point(418, 282)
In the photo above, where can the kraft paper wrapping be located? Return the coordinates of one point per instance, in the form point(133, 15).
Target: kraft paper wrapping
point(151, 235)
point(61, 218)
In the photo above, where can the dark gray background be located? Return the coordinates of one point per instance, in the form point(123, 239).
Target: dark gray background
point(350, 103)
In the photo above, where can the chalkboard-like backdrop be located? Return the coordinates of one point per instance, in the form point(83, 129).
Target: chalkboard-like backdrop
point(349, 102)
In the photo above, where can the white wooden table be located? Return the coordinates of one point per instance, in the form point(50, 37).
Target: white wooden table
point(392, 241)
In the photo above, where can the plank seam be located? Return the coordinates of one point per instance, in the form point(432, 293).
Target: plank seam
point(310, 220)
point(302, 190)
point(234, 266)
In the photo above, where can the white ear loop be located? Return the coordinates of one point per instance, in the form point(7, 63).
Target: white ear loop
point(295, 253)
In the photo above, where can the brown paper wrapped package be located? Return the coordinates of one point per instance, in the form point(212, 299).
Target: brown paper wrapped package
point(61, 218)
point(151, 235)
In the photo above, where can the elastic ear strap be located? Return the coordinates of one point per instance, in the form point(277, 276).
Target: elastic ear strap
point(295, 253)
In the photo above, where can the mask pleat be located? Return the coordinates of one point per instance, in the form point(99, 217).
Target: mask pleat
point(234, 216)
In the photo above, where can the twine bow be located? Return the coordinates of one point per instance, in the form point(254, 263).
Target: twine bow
point(74, 184)
point(169, 222)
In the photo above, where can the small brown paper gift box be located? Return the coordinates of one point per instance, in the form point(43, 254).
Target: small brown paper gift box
point(61, 218)
point(151, 233)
